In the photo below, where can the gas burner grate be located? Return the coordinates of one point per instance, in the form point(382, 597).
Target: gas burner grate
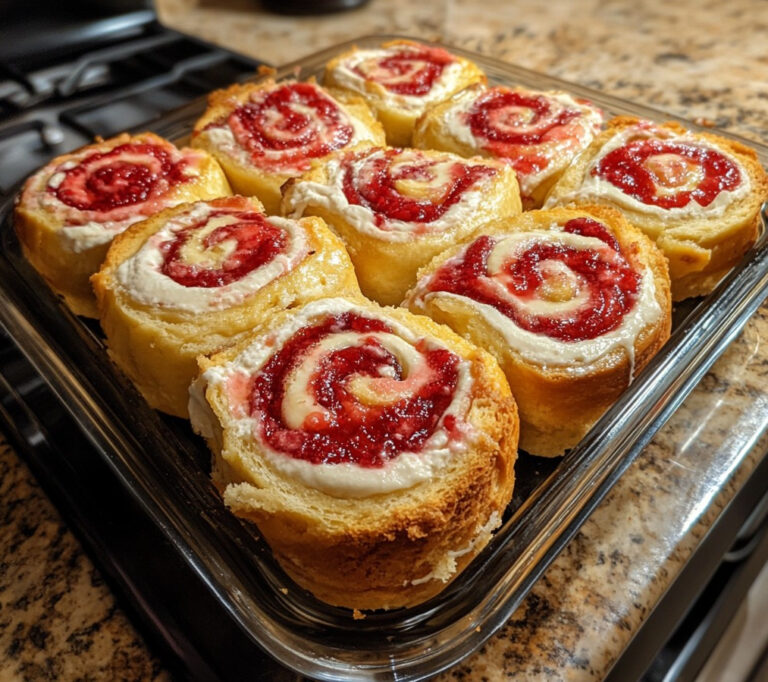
point(56, 107)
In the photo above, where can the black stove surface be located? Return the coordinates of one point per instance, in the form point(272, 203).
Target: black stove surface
point(121, 78)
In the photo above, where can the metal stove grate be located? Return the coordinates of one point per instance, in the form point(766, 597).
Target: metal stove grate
point(50, 109)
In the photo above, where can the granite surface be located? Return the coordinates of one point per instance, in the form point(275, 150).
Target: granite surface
point(59, 621)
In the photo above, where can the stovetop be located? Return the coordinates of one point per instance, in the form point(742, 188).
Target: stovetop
point(137, 70)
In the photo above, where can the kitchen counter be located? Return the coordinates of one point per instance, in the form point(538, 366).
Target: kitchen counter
point(704, 59)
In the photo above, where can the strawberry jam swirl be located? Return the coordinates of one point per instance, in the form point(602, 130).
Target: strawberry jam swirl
point(212, 256)
point(394, 195)
point(408, 185)
point(652, 170)
point(569, 290)
point(118, 186)
point(403, 69)
point(559, 296)
point(538, 133)
point(668, 173)
point(348, 402)
point(283, 128)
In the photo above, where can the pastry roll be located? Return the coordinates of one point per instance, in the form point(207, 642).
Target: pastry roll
point(374, 449)
point(539, 133)
point(698, 196)
point(400, 80)
point(395, 209)
point(195, 277)
point(70, 210)
point(572, 303)
point(265, 133)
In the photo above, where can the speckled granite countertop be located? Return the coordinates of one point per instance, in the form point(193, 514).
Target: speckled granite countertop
point(697, 59)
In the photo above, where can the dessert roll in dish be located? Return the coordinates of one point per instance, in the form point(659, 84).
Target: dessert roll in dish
point(70, 210)
point(395, 209)
point(697, 195)
point(265, 133)
point(193, 278)
point(400, 80)
point(572, 302)
point(374, 449)
point(539, 133)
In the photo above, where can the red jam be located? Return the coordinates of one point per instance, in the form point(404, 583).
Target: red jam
point(105, 181)
point(366, 435)
point(374, 186)
point(411, 71)
point(587, 227)
point(257, 242)
point(612, 284)
point(290, 125)
point(506, 119)
point(631, 169)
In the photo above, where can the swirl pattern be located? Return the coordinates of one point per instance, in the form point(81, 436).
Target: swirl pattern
point(221, 249)
point(407, 185)
point(569, 285)
point(284, 127)
point(118, 184)
point(211, 256)
point(409, 70)
point(669, 173)
point(347, 390)
point(507, 121)
point(538, 133)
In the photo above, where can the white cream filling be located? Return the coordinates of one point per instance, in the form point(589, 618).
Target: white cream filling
point(141, 277)
point(441, 89)
point(559, 152)
point(81, 237)
point(596, 188)
point(343, 480)
point(305, 195)
point(574, 357)
point(222, 138)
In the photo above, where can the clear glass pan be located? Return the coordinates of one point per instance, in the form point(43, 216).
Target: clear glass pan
point(165, 466)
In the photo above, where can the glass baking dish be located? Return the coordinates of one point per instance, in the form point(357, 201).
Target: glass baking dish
point(165, 467)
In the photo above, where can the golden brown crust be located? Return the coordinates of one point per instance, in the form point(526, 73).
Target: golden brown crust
point(700, 250)
point(398, 121)
point(249, 180)
point(386, 268)
point(157, 347)
point(557, 405)
point(66, 271)
point(389, 549)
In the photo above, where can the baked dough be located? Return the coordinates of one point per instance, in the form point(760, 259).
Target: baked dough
point(539, 133)
point(697, 195)
point(196, 277)
point(70, 210)
point(400, 80)
point(374, 449)
point(395, 209)
point(265, 133)
point(572, 302)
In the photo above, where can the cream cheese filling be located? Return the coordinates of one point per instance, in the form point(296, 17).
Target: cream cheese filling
point(330, 196)
point(560, 152)
point(83, 236)
point(441, 89)
point(222, 138)
point(574, 357)
point(344, 480)
point(595, 188)
point(141, 277)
